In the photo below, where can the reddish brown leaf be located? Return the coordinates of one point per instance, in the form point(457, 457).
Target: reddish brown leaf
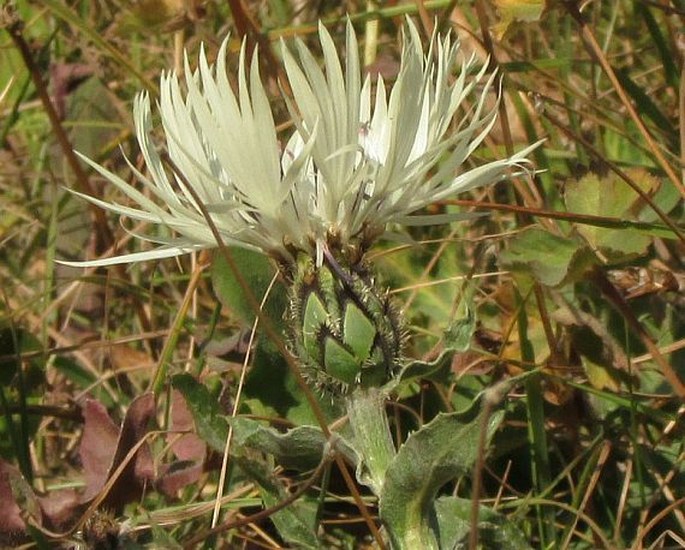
point(140, 470)
point(104, 447)
point(18, 501)
point(61, 508)
point(64, 77)
point(188, 446)
point(386, 66)
point(177, 475)
point(12, 488)
point(98, 444)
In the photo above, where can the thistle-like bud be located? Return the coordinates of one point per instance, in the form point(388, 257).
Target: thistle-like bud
point(344, 330)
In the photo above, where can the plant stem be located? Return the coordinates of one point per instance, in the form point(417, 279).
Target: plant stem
point(371, 436)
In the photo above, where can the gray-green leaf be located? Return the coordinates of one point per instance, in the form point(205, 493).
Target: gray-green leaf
point(494, 530)
point(440, 451)
point(296, 523)
point(299, 448)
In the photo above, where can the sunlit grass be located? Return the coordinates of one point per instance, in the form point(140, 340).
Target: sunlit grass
point(590, 450)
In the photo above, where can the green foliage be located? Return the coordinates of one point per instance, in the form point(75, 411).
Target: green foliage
point(586, 445)
point(557, 260)
point(552, 259)
point(258, 272)
point(494, 530)
point(457, 339)
point(612, 198)
point(444, 449)
point(296, 523)
point(300, 448)
point(20, 386)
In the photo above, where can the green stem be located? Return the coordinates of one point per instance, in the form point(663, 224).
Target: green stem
point(371, 436)
point(540, 464)
point(371, 439)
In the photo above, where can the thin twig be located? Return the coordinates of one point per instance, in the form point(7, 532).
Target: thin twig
point(596, 51)
point(277, 340)
point(236, 405)
point(15, 30)
point(609, 290)
point(200, 537)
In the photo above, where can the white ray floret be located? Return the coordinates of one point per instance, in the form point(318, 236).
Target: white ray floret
point(357, 160)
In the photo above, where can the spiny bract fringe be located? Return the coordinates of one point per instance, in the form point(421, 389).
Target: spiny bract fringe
point(344, 330)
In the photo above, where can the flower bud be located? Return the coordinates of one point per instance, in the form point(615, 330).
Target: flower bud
point(344, 330)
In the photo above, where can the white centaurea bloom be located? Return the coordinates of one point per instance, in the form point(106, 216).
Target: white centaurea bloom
point(355, 162)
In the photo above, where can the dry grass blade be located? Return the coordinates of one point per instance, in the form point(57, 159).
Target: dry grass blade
point(571, 277)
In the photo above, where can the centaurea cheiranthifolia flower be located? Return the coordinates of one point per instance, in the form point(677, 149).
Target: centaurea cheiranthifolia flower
point(357, 161)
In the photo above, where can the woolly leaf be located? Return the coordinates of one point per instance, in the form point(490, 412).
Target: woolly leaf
point(442, 450)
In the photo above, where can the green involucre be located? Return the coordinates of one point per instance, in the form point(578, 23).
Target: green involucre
point(344, 330)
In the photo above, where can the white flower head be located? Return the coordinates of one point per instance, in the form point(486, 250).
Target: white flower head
point(356, 161)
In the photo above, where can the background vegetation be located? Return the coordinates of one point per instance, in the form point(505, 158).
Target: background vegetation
point(573, 277)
